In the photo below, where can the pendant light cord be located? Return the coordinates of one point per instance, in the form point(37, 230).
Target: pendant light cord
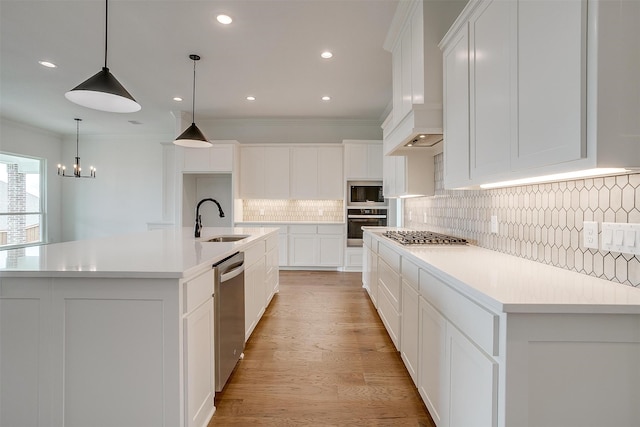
point(193, 104)
point(106, 30)
point(78, 137)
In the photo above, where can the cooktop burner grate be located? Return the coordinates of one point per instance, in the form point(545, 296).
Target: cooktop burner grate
point(423, 238)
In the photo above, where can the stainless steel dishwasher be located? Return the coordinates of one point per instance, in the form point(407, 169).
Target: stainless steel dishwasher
point(229, 316)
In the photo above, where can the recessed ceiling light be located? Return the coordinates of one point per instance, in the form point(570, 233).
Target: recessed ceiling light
point(251, 98)
point(177, 98)
point(326, 54)
point(326, 98)
point(224, 19)
point(47, 64)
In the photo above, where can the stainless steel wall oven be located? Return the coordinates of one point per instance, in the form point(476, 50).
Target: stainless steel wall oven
point(358, 218)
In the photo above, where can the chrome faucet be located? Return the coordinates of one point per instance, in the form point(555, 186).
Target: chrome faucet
point(199, 218)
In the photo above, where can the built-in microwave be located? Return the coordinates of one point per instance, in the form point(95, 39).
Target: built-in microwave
point(365, 193)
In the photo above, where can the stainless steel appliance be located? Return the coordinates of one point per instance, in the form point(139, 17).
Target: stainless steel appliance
point(358, 218)
point(365, 193)
point(423, 238)
point(229, 316)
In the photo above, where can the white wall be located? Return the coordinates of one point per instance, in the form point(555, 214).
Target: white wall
point(26, 140)
point(127, 192)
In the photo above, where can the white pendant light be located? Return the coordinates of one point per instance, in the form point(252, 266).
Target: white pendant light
point(103, 91)
point(77, 171)
point(193, 137)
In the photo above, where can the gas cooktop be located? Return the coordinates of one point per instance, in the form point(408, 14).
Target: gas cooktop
point(423, 238)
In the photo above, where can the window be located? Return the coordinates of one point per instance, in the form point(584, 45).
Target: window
point(21, 200)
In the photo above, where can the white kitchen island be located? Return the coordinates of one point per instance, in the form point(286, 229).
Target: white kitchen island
point(118, 331)
point(495, 340)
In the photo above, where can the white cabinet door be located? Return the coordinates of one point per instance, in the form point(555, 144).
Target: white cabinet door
point(456, 111)
point(493, 112)
point(409, 330)
point(389, 180)
point(218, 158)
point(199, 364)
point(551, 80)
point(330, 183)
point(356, 161)
point(432, 376)
point(254, 289)
point(302, 250)
point(304, 173)
point(252, 171)
point(473, 396)
point(283, 249)
point(374, 161)
point(330, 250)
point(276, 175)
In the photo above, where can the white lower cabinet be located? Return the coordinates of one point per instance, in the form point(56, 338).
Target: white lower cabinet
point(254, 286)
point(370, 268)
point(432, 378)
point(409, 330)
point(389, 292)
point(316, 245)
point(199, 364)
point(473, 383)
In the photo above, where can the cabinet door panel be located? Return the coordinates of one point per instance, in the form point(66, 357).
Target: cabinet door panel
point(493, 52)
point(252, 169)
point(473, 387)
point(432, 377)
point(456, 111)
point(355, 156)
point(302, 250)
point(304, 173)
point(330, 250)
point(199, 364)
point(276, 178)
point(409, 330)
point(374, 155)
point(551, 82)
point(330, 183)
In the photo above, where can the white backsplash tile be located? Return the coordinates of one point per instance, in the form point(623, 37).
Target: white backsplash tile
point(269, 210)
point(540, 222)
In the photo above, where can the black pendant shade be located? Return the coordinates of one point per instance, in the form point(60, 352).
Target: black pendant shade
point(193, 137)
point(103, 91)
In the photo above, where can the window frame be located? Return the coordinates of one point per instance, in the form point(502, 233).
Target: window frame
point(42, 182)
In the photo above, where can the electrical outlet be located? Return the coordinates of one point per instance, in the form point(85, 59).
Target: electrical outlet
point(261, 212)
point(424, 217)
point(494, 224)
point(590, 234)
point(320, 212)
point(410, 215)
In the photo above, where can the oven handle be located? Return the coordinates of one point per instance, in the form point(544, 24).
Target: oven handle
point(366, 216)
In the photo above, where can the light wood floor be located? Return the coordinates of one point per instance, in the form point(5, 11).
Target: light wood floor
point(320, 357)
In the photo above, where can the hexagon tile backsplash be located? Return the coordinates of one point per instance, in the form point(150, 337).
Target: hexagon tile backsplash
point(541, 222)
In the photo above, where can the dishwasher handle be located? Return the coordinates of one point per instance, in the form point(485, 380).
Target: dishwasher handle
point(233, 271)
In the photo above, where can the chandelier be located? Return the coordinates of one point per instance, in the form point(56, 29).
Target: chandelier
point(77, 170)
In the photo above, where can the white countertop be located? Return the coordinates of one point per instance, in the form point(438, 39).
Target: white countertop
point(512, 284)
point(166, 253)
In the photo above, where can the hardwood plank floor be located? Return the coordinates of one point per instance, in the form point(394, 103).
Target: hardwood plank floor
point(320, 356)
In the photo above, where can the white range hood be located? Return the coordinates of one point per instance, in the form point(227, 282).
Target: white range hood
point(413, 37)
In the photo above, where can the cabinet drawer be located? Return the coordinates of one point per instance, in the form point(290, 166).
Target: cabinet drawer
point(303, 229)
point(254, 253)
point(390, 256)
point(410, 273)
point(389, 316)
point(479, 324)
point(390, 280)
point(198, 290)
point(331, 229)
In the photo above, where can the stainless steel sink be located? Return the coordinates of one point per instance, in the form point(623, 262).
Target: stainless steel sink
point(230, 238)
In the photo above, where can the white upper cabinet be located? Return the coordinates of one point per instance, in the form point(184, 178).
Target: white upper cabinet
point(291, 172)
point(362, 160)
point(218, 158)
point(316, 173)
point(264, 172)
point(552, 88)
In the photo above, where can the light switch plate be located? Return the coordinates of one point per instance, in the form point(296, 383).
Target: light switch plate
point(621, 237)
point(590, 234)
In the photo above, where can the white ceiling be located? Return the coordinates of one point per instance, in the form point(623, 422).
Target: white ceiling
point(271, 51)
